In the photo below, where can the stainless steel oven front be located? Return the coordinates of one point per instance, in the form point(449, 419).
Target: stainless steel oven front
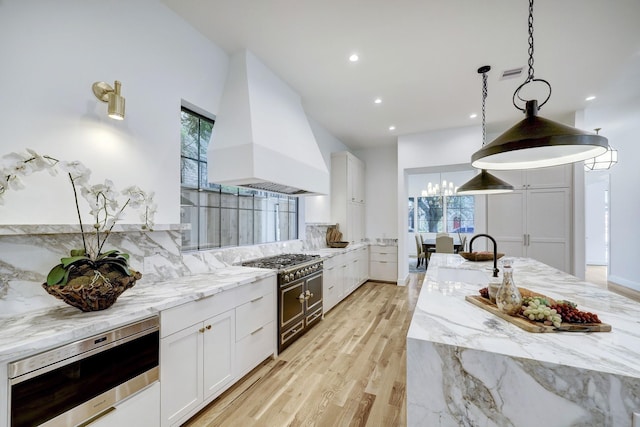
point(68, 385)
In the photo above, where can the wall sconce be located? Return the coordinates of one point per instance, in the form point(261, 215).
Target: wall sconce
point(110, 95)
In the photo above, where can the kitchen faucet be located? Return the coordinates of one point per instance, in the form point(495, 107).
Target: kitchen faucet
point(495, 251)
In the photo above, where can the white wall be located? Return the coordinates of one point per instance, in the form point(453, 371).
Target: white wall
point(318, 208)
point(596, 184)
point(620, 124)
point(380, 191)
point(52, 52)
point(417, 153)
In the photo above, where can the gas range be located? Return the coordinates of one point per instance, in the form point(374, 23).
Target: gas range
point(299, 293)
point(289, 266)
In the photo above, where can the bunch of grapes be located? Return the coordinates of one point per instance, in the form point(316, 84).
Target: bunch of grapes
point(537, 309)
point(484, 293)
point(571, 314)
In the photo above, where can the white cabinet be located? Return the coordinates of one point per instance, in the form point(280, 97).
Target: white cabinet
point(347, 195)
point(383, 263)
point(196, 362)
point(332, 283)
point(342, 274)
point(140, 410)
point(208, 344)
point(361, 260)
point(255, 325)
point(534, 221)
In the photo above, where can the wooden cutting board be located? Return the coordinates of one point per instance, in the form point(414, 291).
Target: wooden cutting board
point(531, 326)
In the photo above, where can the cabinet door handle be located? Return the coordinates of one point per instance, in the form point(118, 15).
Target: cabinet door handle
point(257, 330)
point(331, 287)
point(208, 327)
point(201, 330)
point(257, 299)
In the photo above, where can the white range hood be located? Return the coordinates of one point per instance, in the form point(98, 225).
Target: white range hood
point(262, 138)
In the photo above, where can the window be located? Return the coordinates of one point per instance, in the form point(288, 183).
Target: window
point(449, 214)
point(220, 215)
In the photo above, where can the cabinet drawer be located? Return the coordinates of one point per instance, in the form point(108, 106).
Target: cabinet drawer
point(254, 348)
point(178, 318)
point(253, 290)
point(254, 314)
point(384, 257)
point(377, 249)
point(386, 271)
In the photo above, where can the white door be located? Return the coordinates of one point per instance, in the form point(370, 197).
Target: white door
point(548, 227)
point(219, 342)
point(506, 224)
point(180, 373)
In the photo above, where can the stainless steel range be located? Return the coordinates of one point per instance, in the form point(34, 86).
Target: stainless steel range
point(299, 293)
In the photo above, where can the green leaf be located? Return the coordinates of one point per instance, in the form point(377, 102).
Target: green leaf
point(119, 266)
point(66, 262)
point(56, 275)
point(77, 252)
point(109, 253)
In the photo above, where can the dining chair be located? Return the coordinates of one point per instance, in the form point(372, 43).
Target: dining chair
point(444, 244)
point(463, 242)
point(419, 251)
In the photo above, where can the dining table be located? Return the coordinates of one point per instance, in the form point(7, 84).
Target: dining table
point(431, 244)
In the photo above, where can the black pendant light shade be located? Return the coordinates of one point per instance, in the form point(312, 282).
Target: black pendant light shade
point(484, 183)
point(536, 142)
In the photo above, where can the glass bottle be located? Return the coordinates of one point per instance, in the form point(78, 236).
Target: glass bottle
point(508, 298)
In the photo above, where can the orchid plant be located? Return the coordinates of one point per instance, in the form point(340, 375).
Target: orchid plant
point(106, 208)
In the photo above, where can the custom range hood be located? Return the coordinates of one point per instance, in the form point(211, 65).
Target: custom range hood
point(262, 138)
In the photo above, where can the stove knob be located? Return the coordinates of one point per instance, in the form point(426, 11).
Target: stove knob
point(286, 278)
point(297, 274)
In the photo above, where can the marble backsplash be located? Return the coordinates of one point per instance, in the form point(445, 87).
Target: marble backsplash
point(28, 252)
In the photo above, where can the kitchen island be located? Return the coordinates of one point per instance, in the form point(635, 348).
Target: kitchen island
point(468, 367)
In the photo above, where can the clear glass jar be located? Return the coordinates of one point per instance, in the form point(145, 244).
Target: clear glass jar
point(508, 298)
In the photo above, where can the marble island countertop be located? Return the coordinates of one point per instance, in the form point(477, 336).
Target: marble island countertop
point(34, 331)
point(483, 370)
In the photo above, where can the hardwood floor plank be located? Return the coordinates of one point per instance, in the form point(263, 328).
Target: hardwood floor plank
point(349, 370)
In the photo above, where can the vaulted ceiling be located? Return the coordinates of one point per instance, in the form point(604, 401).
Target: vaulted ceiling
point(420, 57)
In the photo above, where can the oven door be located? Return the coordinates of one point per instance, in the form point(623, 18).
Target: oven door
point(291, 312)
point(313, 301)
point(70, 384)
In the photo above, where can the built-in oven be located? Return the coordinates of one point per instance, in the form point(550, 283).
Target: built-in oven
point(299, 307)
point(71, 384)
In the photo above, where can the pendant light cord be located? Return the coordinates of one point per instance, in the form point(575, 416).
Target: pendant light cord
point(530, 77)
point(484, 98)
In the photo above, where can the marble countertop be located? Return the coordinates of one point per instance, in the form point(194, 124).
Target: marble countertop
point(443, 316)
point(38, 330)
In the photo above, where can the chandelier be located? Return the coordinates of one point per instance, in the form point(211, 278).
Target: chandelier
point(444, 189)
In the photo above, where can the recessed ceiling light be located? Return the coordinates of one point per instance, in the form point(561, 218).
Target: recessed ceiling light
point(377, 101)
point(392, 127)
point(354, 57)
point(590, 98)
point(473, 115)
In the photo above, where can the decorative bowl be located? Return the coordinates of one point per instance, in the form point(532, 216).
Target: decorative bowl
point(479, 256)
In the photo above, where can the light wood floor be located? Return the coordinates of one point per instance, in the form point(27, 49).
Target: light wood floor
point(349, 370)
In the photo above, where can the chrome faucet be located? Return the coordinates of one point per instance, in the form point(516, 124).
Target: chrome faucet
point(495, 251)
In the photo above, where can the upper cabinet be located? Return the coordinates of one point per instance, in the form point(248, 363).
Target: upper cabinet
point(347, 195)
point(551, 177)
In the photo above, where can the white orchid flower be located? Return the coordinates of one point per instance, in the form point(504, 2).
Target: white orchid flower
point(79, 173)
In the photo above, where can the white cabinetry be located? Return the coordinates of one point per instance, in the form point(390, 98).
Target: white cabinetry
point(342, 274)
point(207, 344)
point(535, 220)
point(140, 410)
point(383, 263)
point(347, 195)
point(255, 326)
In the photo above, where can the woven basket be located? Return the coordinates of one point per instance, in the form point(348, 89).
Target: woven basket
point(94, 290)
point(338, 244)
point(479, 256)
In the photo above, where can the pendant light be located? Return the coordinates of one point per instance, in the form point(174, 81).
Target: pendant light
point(484, 182)
point(603, 161)
point(536, 142)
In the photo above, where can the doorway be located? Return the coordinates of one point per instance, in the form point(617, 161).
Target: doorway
point(597, 225)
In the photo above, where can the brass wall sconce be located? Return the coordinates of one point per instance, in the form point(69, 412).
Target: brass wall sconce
point(111, 95)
